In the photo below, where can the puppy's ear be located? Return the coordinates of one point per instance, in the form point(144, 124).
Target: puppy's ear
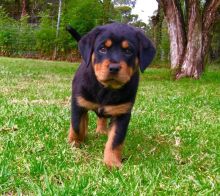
point(86, 45)
point(146, 51)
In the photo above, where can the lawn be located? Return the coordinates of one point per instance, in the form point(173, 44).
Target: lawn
point(172, 146)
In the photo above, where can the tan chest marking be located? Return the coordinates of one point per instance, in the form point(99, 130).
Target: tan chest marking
point(87, 104)
point(116, 110)
point(112, 110)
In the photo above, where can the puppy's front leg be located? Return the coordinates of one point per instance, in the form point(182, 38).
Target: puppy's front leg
point(101, 125)
point(116, 136)
point(78, 125)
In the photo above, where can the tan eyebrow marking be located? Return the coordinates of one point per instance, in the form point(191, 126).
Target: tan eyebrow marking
point(125, 44)
point(108, 43)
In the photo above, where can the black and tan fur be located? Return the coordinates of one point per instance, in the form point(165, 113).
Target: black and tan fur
point(106, 82)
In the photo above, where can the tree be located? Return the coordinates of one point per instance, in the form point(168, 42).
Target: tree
point(24, 6)
point(156, 23)
point(12, 7)
point(123, 9)
point(214, 51)
point(130, 3)
point(58, 27)
point(190, 23)
point(82, 18)
point(107, 11)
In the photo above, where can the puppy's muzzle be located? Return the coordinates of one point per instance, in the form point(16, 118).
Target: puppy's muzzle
point(114, 68)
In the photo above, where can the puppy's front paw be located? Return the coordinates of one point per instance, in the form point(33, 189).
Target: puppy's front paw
point(102, 126)
point(101, 131)
point(73, 139)
point(112, 158)
point(112, 162)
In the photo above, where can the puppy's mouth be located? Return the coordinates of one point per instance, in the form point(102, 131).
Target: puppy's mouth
point(112, 83)
point(111, 80)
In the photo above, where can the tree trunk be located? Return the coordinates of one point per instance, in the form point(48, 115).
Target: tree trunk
point(199, 37)
point(23, 12)
point(176, 31)
point(209, 16)
point(188, 53)
point(193, 60)
point(157, 22)
point(58, 28)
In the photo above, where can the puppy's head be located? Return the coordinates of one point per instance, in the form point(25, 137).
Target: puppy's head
point(115, 52)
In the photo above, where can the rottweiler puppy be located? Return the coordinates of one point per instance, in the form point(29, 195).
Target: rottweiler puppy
point(106, 82)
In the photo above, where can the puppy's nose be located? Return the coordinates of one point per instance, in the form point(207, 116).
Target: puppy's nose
point(114, 68)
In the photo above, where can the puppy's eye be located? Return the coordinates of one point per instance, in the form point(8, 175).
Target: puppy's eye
point(103, 50)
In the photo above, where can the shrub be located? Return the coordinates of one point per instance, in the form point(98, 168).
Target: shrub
point(7, 33)
point(46, 35)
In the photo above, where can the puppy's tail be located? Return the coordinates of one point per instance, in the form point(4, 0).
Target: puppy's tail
point(73, 32)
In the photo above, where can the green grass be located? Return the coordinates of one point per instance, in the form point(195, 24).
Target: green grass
point(172, 146)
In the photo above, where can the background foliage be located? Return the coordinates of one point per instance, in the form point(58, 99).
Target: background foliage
point(34, 34)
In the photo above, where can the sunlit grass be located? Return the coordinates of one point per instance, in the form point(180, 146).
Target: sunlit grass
point(172, 146)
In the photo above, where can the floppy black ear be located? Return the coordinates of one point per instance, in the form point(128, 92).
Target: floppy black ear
point(86, 45)
point(146, 51)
